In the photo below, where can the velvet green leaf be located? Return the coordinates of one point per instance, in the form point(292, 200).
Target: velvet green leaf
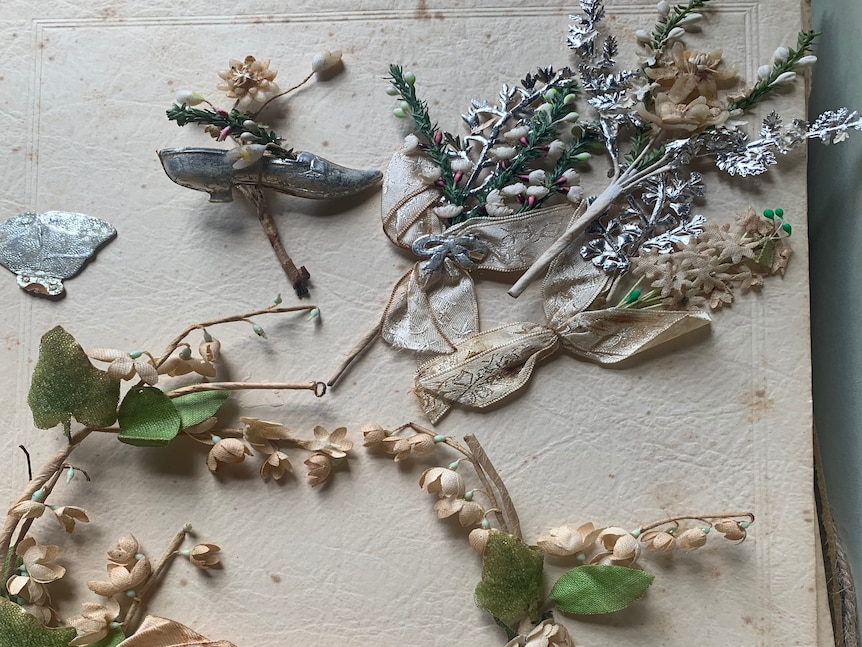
point(19, 629)
point(194, 408)
point(596, 588)
point(148, 418)
point(511, 586)
point(115, 637)
point(66, 384)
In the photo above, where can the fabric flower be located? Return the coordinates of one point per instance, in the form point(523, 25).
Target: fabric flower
point(659, 540)
point(443, 481)
point(469, 513)
point(32, 591)
point(122, 578)
point(69, 515)
point(28, 509)
point(125, 552)
point(373, 435)
point(275, 466)
point(263, 435)
point(546, 634)
point(94, 622)
point(731, 529)
point(204, 556)
point(478, 539)
point(621, 548)
point(124, 366)
point(37, 561)
point(334, 444)
point(227, 450)
point(422, 444)
point(248, 81)
point(319, 468)
point(244, 156)
point(174, 366)
point(691, 539)
point(568, 540)
point(398, 446)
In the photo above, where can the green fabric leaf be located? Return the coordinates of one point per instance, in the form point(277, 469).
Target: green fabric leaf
point(19, 629)
point(597, 588)
point(66, 384)
point(511, 586)
point(115, 637)
point(148, 418)
point(194, 408)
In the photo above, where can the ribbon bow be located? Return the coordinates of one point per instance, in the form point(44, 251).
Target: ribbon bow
point(492, 365)
point(464, 250)
point(433, 306)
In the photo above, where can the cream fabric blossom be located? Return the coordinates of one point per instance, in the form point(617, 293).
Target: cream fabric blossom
point(122, 578)
point(38, 561)
point(398, 446)
point(443, 481)
point(125, 553)
point(319, 468)
point(175, 366)
point(373, 435)
point(334, 444)
point(659, 540)
point(568, 540)
point(264, 435)
point(469, 513)
point(731, 529)
point(124, 366)
point(275, 466)
point(69, 515)
point(249, 81)
point(621, 548)
point(94, 622)
point(227, 450)
point(205, 556)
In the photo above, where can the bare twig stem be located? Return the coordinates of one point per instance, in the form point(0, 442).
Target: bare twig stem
point(49, 471)
point(130, 621)
point(176, 341)
point(319, 388)
point(364, 343)
point(298, 277)
point(706, 518)
point(281, 94)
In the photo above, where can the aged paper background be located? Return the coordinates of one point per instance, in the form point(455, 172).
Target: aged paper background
point(721, 422)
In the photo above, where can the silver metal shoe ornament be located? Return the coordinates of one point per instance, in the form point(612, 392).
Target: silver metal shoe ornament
point(307, 176)
point(45, 248)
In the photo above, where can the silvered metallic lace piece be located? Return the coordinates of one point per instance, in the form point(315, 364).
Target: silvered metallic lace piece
point(45, 248)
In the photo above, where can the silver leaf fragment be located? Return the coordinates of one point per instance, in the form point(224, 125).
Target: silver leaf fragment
point(45, 248)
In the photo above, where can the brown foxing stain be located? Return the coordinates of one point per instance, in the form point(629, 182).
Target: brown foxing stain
point(757, 402)
point(747, 620)
point(108, 13)
point(184, 582)
point(324, 143)
point(275, 578)
point(421, 12)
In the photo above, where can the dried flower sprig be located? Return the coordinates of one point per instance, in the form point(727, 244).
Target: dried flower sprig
point(484, 173)
point(257, 147)
point(608, 577)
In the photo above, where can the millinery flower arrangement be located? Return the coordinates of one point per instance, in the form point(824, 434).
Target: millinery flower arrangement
point(128, 398)
point(608, 574)
point(260, 157)
point(626, 269)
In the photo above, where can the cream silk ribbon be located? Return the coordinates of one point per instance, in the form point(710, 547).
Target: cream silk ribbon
point(494, 364)
point(161, 632)
point(433, 307)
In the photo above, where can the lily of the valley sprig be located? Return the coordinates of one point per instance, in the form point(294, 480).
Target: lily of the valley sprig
point(609, 575)
point(127, 399)
point(260, 158)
